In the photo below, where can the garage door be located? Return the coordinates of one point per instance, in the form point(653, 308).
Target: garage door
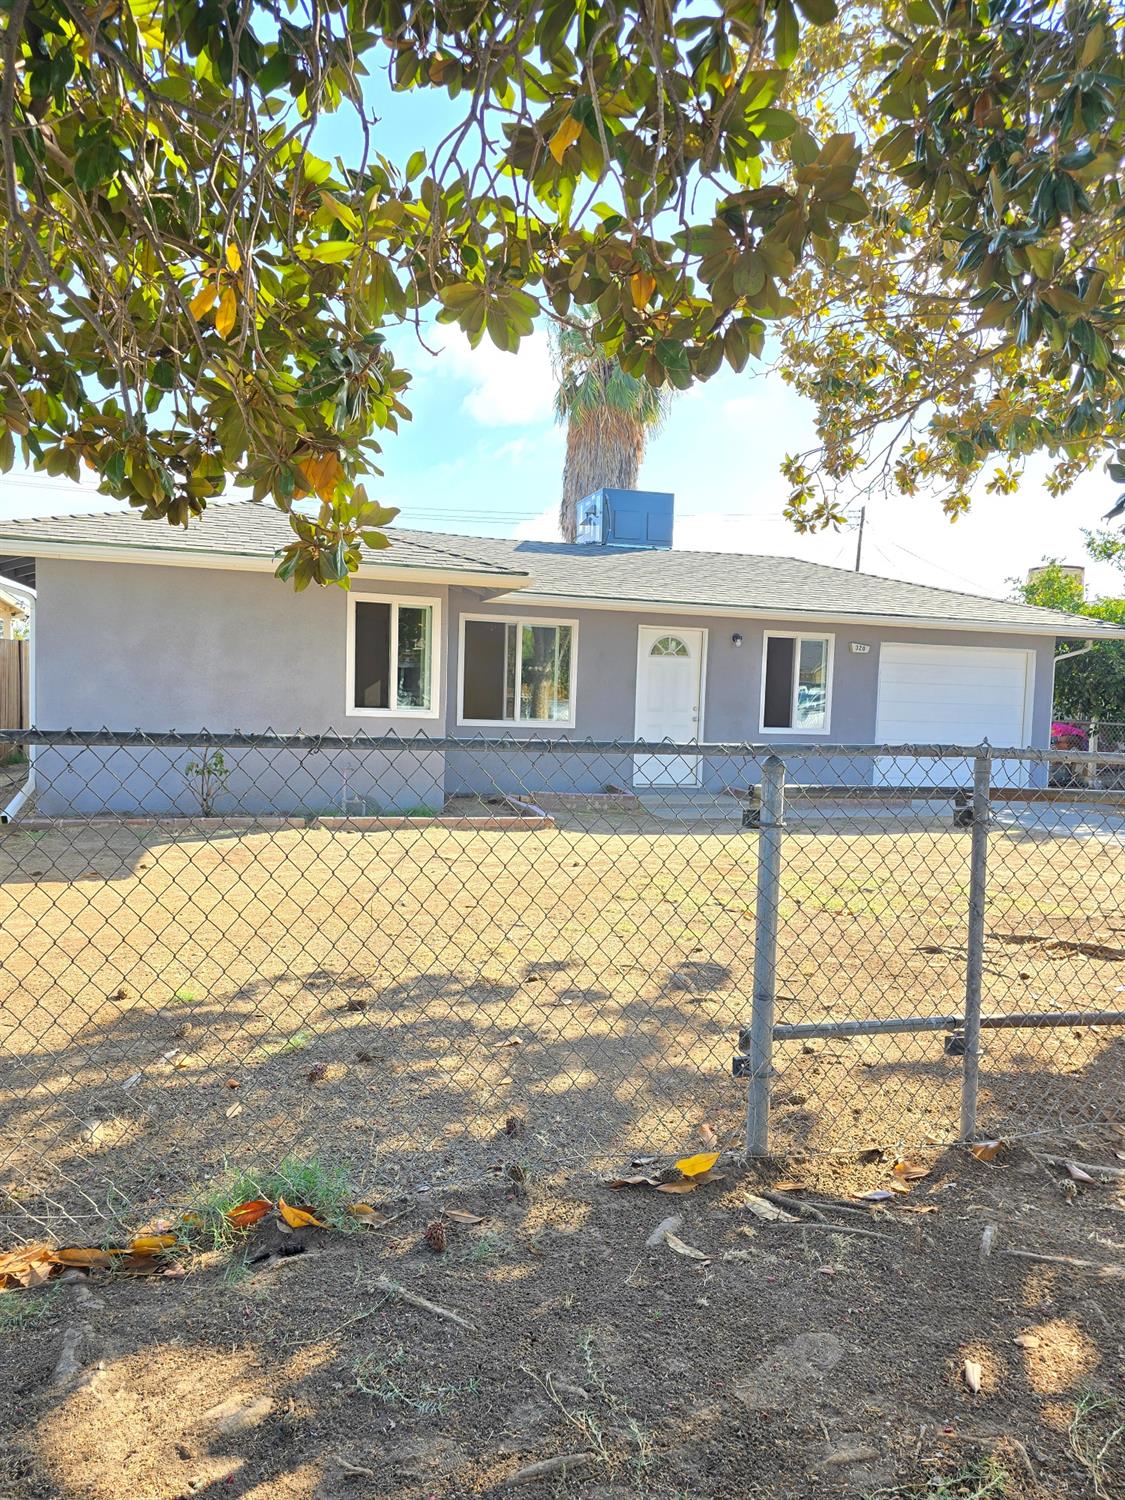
point(951, 695)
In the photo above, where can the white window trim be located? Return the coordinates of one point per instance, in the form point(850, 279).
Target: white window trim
point(797, 637)
point(519, 621)
point(361, 711)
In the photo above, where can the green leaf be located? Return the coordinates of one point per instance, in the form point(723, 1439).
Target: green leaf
point(331, 252)
point(95, 164)
point(786, 33)
point(416, 165)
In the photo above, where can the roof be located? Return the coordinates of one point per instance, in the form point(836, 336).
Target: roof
point(728, 583)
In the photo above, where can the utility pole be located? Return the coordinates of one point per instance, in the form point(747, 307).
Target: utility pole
point(859, 539)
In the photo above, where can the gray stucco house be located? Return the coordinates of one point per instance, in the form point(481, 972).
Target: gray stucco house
point(615, 637)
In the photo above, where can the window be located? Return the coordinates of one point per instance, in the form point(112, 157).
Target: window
point(392, 656)
point(517, 672)
point(796, 679)
point(669, 645)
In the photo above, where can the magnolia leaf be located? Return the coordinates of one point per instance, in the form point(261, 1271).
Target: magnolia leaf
point(297, 1218)
point(234, 257)
point(86, 1258)
point(227, 312)
point(986, 1150)
point(1077, 1173)
point(249, 1213)
point(762, 1208)
point(641, 287)
point(674, 1242)
point(372, 1217)
point(972, 1373)
point(151, 1244)
point(204, 300)
point(694, 1166)
point(564, 137)
point(463, 1216)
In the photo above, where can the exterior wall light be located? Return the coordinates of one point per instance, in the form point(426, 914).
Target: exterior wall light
point(736, 638)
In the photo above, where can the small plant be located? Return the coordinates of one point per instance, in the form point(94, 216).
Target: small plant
point(421, 811)
point(1097, 1440)
point(389, 1379)
point(984, 1479)
point(295, 1043)
point(210, 775)
point(308, 1183)
point(19, 1309)
point(186, 995)
point(605, 1419)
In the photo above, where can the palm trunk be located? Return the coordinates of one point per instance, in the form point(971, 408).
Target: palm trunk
point(604, 451)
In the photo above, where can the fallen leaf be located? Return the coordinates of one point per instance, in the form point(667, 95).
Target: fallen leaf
point(1078, 1174)
point(249, 1212)
point(623, 1182)
point(688, 1186)
point(138, 1265)
point(30, 1265)
point(674, 1242)
point(86, 1258)
point(986, 1150)
point(463, 1216)
point(643, 1161)
point(972, 1372)
point(790, 1187)
point(919, 1208)
point(151, 1244)
point(317, 1072)
point(233, 1111)
point(233, 1083)
point(132, 1080)
point(910, 1173)
point(1027, 1340)
point(297, 1218)
point(876, 1195)
point(174, 1272)
point(707, 1134)
point(900, 1188)
point(695, 1166)
point(764, 1209)
point(368, 1215)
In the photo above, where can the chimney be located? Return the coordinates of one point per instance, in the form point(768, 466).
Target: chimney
point(626, 518)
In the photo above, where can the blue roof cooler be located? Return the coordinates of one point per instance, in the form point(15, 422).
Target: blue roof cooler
point(626, 518)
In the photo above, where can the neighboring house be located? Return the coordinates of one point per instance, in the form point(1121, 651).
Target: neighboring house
point(13, 616)
point(613, 637)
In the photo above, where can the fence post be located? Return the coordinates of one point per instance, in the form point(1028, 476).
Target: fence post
point(770, 836)
point(974, 967)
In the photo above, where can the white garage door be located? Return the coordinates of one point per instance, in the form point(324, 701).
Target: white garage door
point(952, 695)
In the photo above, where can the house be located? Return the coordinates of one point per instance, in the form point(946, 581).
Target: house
point(613, 637)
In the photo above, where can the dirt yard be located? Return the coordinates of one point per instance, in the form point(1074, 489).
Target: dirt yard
point(495, 1023)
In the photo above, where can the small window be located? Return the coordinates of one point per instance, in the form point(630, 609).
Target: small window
point(669, 645)
point(391, 645)
point(516, 672)
point(795, 689)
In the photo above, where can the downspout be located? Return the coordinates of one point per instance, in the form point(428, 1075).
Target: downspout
point(16, 805)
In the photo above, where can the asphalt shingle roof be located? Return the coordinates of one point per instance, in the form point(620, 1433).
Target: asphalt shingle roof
point(785, 586)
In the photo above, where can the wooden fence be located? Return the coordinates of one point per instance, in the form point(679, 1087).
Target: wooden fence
point(13, 684)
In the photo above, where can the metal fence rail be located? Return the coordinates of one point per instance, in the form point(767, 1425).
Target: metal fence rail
point(413, 957)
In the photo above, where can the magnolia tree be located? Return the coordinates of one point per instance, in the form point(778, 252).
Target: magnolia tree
point(923, 197)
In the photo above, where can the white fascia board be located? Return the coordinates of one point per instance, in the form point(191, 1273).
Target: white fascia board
point(1083, 629)
point(249, 562)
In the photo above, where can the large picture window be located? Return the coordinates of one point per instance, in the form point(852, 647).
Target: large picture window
point(796, 682)
point(517, 672)
point(391, 656)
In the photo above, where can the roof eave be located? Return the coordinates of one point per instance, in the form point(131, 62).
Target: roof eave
point(250, 562)
point(1081, 630)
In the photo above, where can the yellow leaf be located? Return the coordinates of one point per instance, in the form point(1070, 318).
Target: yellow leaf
point(234, 259)
point(642, 285)
point(694, 1166)
point(88, 1258)
point(321, 473)
point(203, 301)
point(564, 137)
point(296, 1218)
point(224, 318)
point(151, 1244)
point(364, 1211)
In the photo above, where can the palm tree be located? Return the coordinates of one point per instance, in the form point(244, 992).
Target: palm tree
point(608, 414)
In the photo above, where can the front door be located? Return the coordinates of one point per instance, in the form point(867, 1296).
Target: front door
point(669, 679)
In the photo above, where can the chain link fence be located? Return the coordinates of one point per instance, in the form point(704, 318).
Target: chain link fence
point(423, 960)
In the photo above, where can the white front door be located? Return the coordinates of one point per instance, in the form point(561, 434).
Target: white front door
point(669, 682)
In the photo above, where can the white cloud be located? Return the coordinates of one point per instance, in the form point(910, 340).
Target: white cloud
point(541, 528)
point(506, 390)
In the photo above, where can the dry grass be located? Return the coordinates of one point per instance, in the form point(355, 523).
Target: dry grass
point(383, 998)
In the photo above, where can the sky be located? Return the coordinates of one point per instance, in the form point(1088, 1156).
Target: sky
point(483, 454)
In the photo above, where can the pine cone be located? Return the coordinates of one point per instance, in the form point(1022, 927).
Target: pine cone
point(435, 1236)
